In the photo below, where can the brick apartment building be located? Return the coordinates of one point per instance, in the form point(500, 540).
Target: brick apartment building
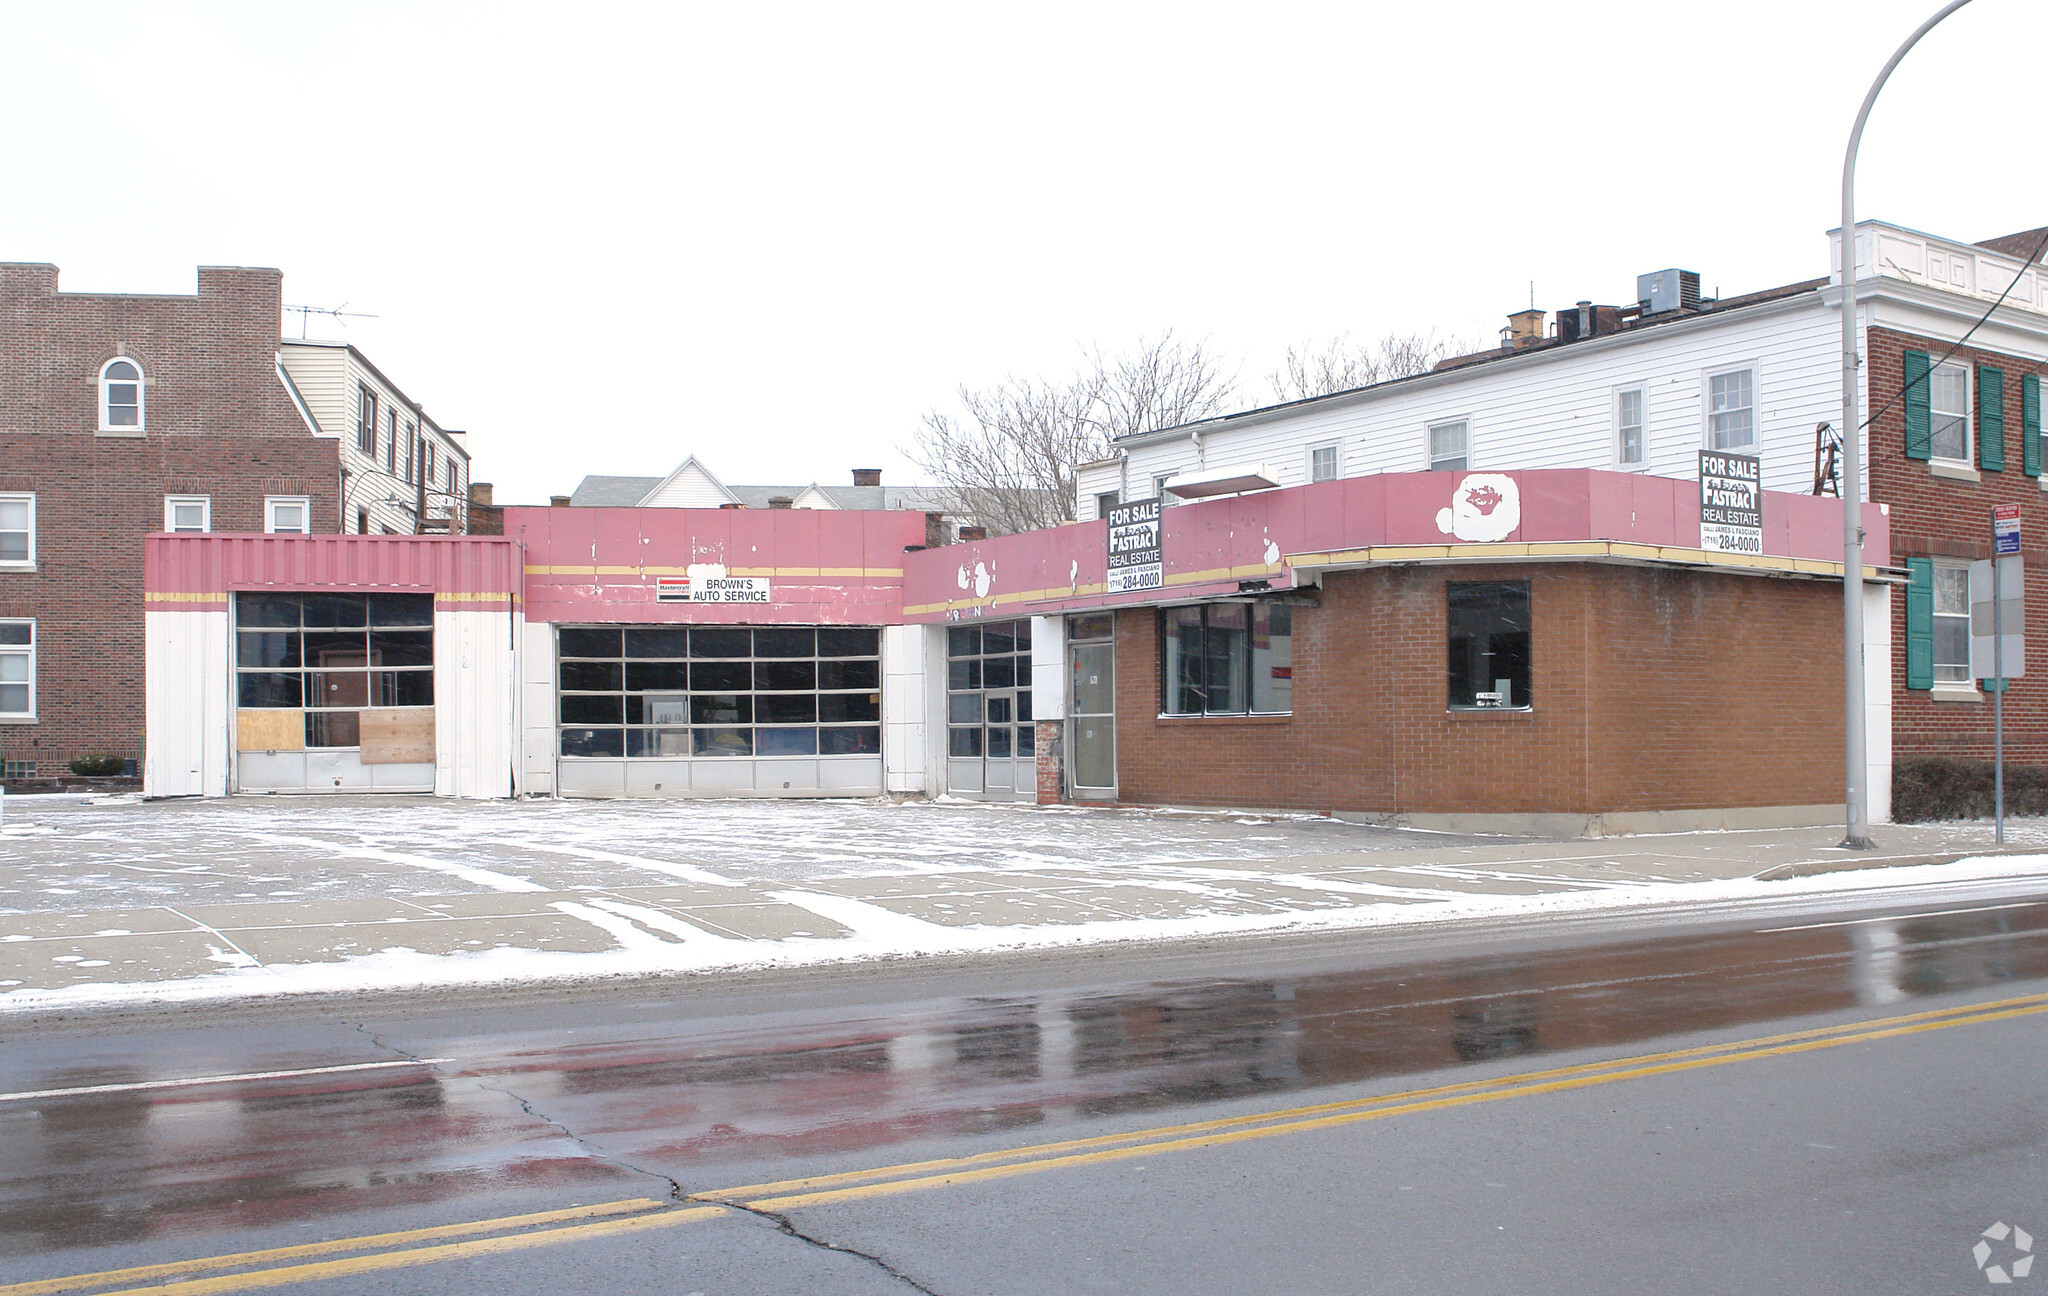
point(120, 415)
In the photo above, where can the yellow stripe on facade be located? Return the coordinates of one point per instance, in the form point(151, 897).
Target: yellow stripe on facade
point(491, 596)
point(169, 596)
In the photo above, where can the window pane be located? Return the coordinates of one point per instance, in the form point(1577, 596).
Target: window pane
point(267, 648)
point(721, 641)
point(581, 641)
point(998, 673)
point(849, 707)
point(584, 709)
point(1952, 591)
point(14, 515)
point(963, 742)
point(593, 742)
point(267, 610)
point(1224, 651)
point(1002, 637)
point(858, 641)
point(998, 743)
point(14, 699)
point(13, 546)
point(391, 611)
point(14, 667)
point(121, 369)
point(333, 729)
point(786, 675)
point(1272, 658)
point(1183, 670)
point(792, 708)
point(1952, 649)
point(721, 676)
point(338, 689)
point(594, 676)
point(964, 708)
point(402, 647)
point(963, 673)
point(999, 712)
point(1023, 705)
point(657, 675)
point(1094, 626)
point(1447, 446)
point(785, 742)
point(785, 642)
point(721, 709)
point(16, 632)
point(336, 648)
point(338, 610)
point(1488, 633)
point(658, 641)
point(963, 641)
point(407, 688)
point(268, 690)
point(725, 742)
point(862, 740)
point(849, 674)
point(658, 709)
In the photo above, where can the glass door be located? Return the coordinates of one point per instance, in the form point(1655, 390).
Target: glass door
point(1091, 704)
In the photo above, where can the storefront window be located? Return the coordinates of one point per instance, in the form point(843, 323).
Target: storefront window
point(1227, 659)
point(1488, 627)
point(713, 691)
point(332, 656)
point(988, 690)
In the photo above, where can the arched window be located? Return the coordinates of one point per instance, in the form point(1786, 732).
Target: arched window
point(121, 396)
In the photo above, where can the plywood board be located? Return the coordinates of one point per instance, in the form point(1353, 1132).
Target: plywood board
point(270, 731)
point(398, 736)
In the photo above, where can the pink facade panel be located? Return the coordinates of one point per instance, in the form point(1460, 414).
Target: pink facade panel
point(197, 572)
point(1217, 546)
point(812, 566)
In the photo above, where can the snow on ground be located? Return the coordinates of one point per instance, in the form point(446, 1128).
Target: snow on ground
point(113, 902)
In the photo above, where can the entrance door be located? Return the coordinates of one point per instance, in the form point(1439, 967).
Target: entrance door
point(1091, 702)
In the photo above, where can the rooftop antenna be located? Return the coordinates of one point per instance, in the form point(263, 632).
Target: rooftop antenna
point(1532, 294)
point(337, 312)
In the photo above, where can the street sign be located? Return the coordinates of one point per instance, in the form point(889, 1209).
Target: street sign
point(2005, 529)
point(1984, 654)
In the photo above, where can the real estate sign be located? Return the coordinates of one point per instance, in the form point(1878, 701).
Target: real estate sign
point(1136, 559)
point(1731, 503)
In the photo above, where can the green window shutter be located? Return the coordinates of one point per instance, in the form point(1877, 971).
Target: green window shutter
point(1919, 417)
point(1990, 418)
point(2030, 423)
point(1920, 624)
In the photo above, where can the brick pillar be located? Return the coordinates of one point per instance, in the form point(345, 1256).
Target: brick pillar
point(1050, 750)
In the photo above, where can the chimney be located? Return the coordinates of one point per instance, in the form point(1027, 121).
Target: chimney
point(781, 502)
point(934, 530)
point(867, 476)
point(973, 533)
point(558, 501)
point(1526, 328)
point(480, 493)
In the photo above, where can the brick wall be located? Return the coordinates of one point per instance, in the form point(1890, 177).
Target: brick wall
point(1653, 689)
point(217, 423)
point(1939, 517)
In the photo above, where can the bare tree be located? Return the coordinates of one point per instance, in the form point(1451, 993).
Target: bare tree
point(1340, 365)
point(1009, 463)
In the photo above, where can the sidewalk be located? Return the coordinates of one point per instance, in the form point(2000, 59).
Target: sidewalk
point(110, 900)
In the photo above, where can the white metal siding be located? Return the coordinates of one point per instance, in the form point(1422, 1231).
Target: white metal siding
point(537, 708)
point(904, 715)
point(186, 704)
point(476, 703)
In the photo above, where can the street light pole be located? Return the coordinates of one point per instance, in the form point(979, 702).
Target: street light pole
point(1857, 739)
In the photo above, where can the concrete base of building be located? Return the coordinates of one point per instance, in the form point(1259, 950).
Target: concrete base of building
point(1612, 824)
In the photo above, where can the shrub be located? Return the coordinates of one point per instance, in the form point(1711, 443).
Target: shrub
point(98, 764)
point(1925, 788)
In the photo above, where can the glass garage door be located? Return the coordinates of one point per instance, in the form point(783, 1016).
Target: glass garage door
point(709, 710)
point(990, 745)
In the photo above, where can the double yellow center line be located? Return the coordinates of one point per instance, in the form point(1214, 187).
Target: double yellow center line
point(282, 1266)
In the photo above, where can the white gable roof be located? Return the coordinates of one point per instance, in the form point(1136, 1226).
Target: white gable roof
point(813, 497)
point(691, 485)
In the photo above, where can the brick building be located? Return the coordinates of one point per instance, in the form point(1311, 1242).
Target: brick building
point(120, 415)
point(1955, 340)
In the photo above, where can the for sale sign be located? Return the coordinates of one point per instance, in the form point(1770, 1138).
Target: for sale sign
point(2005, 529)
point(1136, 558)
point(1731, 503)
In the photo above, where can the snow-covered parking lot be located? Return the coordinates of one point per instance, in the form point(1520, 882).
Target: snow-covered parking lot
point(113, 899)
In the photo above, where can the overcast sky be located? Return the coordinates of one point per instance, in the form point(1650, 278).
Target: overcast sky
point(601, 237)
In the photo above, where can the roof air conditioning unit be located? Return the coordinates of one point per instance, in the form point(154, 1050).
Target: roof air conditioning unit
point(1668, 290)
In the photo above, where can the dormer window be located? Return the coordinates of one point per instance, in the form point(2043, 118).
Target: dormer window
point(121, 396)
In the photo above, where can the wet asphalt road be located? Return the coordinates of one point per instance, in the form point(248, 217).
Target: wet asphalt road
point(1793, 1146)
